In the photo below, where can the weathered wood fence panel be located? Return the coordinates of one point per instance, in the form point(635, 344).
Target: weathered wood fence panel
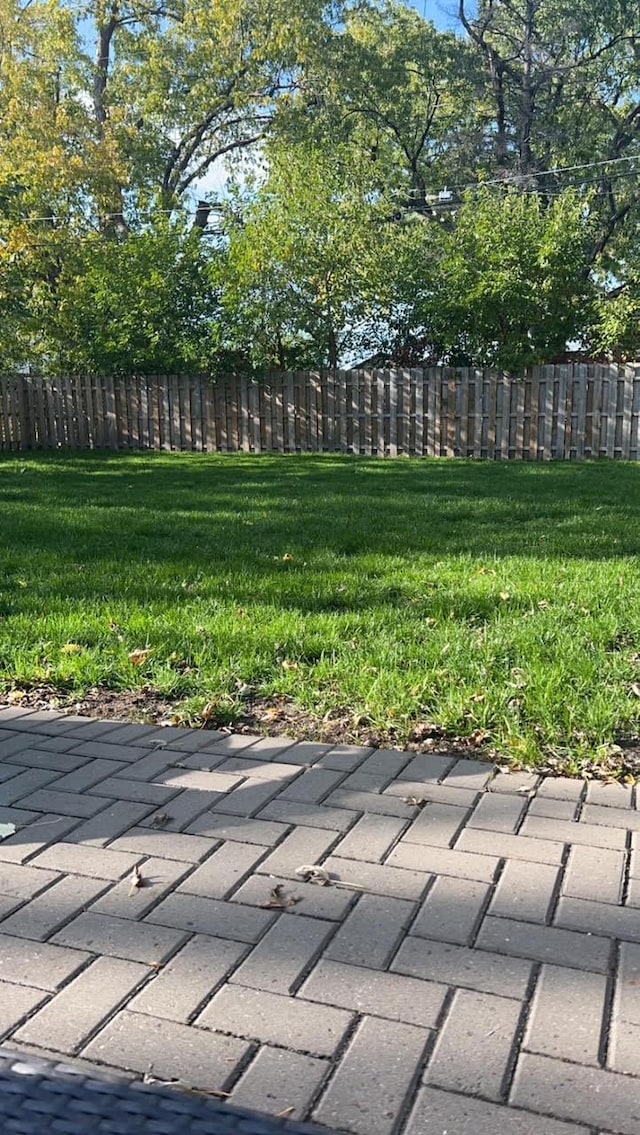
point(548, 413)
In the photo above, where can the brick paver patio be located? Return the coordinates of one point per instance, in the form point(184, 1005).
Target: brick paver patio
point(473, 966)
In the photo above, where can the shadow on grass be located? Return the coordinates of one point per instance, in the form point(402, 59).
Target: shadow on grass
point(208, 511)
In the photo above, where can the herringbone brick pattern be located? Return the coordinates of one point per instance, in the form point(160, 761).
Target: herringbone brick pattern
point(471, 966)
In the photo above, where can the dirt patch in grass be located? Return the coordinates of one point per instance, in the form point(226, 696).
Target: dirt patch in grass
point(282, 717)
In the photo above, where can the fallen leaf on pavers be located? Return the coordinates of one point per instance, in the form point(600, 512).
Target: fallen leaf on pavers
point(135, 881)
point(285, 1113)
point(7, 830)
point(414, 801)
point(160, 820)
point(278, 900)
point(312, 873)
point(137, 657)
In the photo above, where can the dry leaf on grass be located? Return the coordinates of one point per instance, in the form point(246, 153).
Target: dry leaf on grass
point(137, 657)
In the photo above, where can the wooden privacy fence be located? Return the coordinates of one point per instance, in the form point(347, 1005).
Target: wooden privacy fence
point(550, 412)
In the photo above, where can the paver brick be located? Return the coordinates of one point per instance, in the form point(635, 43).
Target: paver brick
point(312, 786)
point(37, 964)
point(9, 770)
point(273, 1019)
point(138, 791)
point(599, 918)
point(80, 1008)
point(554, 809)
point(462, 1060)
point(436, 824)
point(511, 846)
point(231, 743)
point(437, 1112)
point(514, 783)
point(158, 877)
point(451, 910)
point(87, 776)
point(544, 944)
point(189, 978)
point(577, 1092)
point(378, 878)
point(369, 802)
point(359, 782)
point(470, 774)
point(139, 1042)
point(149, 766)
point(58, 760)
point(566, 1014)
point(91, 728)
point(331, 903)
point(561, 788)
point(241, 830)
point(26, 782)
point(224, 870)
point(430, 790)
point(271, 748)
point(624, 1036)
point(309, 815)
point(427, 767)
point(120, 938)
point(498, 812)
point(103, 750)
point(201, 780)
point(345, 758)
point(305, 752)
point(81, 805)
point(16, 1003)
point(458, 965)
point(372, 931)
point(609, 795)
point(249, 797)
point(542, 828)
point(282, 956)
point(211, 916)
point(594, 873)
point(114, 819)
point(259, 770)
point(126, 734)
point(96, 862)
point(37, 833)
point(11, 743)
point(43, 915)
point(279, 1081)
point(443, 861)
point(302, 846)
point(383, 761)
point(24, 882)
point(367, 1092)
point(389, 995)
point(608, 816)
point(371, 838)
point(164, 845)
point(524, 892)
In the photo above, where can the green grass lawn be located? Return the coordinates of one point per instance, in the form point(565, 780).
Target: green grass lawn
point(490, 599)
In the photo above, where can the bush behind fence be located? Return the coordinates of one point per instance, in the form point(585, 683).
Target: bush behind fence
point(548, 413)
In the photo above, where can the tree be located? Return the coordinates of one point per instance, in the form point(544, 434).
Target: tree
point(512, 290)
point(304, 275)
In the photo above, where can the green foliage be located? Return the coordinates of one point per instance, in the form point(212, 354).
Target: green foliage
point(514, 289)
